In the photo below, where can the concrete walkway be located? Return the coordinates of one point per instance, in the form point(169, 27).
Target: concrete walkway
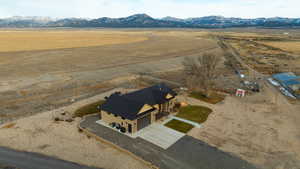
point(186, 121)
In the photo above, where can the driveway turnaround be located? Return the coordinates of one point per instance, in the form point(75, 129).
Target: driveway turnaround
point(160, 135)
point(24, 160)
point(186, 153)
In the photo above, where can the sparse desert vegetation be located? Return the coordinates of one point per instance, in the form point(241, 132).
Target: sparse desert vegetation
point(291, 46)
point(259, 128)
point(265, 53)
point(262, 128)
point(88, 109)
point(214, 98)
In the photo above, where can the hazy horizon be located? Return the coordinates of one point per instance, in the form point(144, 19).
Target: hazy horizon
point(157, 9)
point(58, 18)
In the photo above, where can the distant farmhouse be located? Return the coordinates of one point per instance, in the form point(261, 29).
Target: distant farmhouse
point(290, 82)
point(134, 111)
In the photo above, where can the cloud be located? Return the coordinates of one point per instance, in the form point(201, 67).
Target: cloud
point(155, 8)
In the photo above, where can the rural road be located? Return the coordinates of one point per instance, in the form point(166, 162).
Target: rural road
point(25, 160)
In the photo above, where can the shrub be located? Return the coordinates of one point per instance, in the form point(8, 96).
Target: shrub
point(8, 126)
point(213, 99)
point(88, 109)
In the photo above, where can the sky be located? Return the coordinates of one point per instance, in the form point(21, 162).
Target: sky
point(154, 8)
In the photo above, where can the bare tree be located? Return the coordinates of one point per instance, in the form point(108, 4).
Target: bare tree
point(201, 72)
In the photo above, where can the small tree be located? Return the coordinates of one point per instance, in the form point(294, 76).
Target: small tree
point(201, 72)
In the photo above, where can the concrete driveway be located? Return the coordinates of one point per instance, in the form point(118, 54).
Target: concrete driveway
point(186, 153)
point(160, 135)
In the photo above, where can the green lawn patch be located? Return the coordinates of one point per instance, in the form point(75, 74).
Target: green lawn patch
point(198, 114)
point(88, 109)
point(179, 126)
point(213, 99)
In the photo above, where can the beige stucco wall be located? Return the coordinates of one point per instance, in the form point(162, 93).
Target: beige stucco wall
point(110, 118)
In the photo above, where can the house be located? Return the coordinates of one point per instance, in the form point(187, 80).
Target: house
point(136, 110)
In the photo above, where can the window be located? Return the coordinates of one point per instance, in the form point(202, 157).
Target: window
point(123, 118)
point(108, 113)
point(116, 115)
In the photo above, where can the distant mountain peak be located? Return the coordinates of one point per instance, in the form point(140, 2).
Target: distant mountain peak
point(141, 16)
point(170, 18)
point(144, 20)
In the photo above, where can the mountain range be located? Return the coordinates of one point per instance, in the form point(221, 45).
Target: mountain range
point(145, 21)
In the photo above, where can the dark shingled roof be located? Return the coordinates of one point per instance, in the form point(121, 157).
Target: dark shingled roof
point(129, 105)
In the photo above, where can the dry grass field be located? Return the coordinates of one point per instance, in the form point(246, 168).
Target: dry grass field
point(12, 41)
point(290, 46)
point(74, 63)
point(266, 53)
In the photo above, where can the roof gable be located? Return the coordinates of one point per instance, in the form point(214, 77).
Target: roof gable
point(145, 108)
point(169, 96)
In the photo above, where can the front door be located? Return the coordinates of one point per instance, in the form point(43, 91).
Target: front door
point(129, 128)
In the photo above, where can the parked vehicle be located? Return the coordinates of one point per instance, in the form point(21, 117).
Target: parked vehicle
point(286, 92)
point(273, 82)
point(123, 129)
point(118, 126)
point(113, 125)
point(253, 86)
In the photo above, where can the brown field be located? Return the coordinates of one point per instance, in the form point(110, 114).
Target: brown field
point(290, 46)
point(266, 53)
point(12, 41)
point(35, 80)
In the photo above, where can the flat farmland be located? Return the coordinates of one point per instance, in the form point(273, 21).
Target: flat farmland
point(51, 67)
point(290, 46)
point(12, 41)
